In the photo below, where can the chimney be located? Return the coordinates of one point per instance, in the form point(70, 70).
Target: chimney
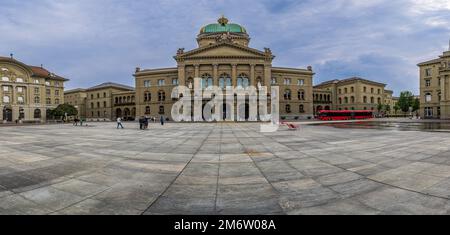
point(138, 69)
point(310, 68)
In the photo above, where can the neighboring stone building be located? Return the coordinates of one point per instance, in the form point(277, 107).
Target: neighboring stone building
point(351, 94)
point(77, 98)
point(435, 87)
point(104, 102)
point(27, 92)
point(224, 58)
point(322, 100)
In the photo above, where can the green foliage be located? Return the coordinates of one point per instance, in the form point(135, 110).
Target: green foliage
point(380, 107)
point(416, 105)
point(62, 109)
point(387, 108)
point(406, 101)
point(396, 108)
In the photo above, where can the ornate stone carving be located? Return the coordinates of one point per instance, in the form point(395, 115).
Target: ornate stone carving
point(180, 51)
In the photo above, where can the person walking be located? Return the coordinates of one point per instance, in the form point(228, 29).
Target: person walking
point(141, 123)
point(146, 122)
point(162, 120)
point(119, 123)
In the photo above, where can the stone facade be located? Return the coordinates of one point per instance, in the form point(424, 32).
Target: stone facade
point(435, 87)
point(223, 58)
point(77, 98)
point(351, 94)
point(27, 92)
point(102, 102)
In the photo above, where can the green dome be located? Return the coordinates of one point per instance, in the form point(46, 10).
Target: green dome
point(223, 27)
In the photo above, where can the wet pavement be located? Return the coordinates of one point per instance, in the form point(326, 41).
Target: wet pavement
point(222, 169)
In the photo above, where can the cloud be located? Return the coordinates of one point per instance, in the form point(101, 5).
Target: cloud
point(104, 40)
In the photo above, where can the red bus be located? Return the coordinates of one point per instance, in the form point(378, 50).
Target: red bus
point(335, 115)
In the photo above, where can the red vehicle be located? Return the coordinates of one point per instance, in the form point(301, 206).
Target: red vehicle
point(336, 115)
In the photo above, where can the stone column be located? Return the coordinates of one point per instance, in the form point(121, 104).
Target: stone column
point(267, 76)
point(252, 75)
point(215, 74)
point(197, 71)
point(182, 74)
point(234, 74)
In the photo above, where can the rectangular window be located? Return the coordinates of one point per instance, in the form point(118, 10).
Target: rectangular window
point(175, 82)
point(5, 88)
point(48, 92)
point(161, 82)
point(147, 83)
point(56, 92)
point(274, 81)
point(36, 90)
point(20, 89)
point(287, 81)
point(428, 72)
point(427, 82)
point(301, 82)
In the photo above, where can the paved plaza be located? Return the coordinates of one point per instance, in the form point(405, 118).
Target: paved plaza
point(226, 168)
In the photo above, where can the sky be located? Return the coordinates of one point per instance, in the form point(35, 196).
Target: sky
point(96, 41)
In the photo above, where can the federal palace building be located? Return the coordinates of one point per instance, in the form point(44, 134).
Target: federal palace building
point(224, 58)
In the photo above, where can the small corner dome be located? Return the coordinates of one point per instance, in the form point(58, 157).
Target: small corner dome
point(223, 26)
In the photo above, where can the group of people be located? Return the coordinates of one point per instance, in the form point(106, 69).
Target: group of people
point(143, 122)
point(78, 120)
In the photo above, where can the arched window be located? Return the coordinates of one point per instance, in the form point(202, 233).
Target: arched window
point(288, 108)
point(320, 97)
point(301, 108)
point(340, 100)
point(379, 100)
point(224, 81)
point(372, 100)
point(37, 113)
point(161, 109)
point(352, 99)
point(116, 100)
point(147, 110)
point(104, 94)
point(161, 96)
point(20, 100)
point(206, 81)
point(104, 104)
point(190, 83)
point(5, 79)
point(98, 106)
point(259, 82)
point(301, 95)
point(365, 99)
point(242, 81)
point(287, 94)
point(346, 100)
point(20, 80)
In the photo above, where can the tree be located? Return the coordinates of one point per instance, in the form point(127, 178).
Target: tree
point(416, 105)
point(62, 109)
point(406, 101)
point(387, 108)
point(396, 108)
point(380, 107)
